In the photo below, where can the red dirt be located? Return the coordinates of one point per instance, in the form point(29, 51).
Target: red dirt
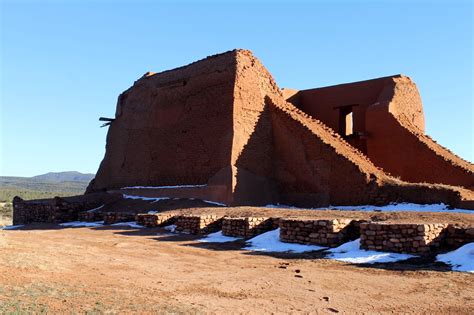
point(124, 270)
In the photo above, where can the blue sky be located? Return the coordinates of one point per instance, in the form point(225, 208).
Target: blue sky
point(63, 63)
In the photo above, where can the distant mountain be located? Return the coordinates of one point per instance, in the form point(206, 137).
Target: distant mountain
point(64, 177)
point(44, 186)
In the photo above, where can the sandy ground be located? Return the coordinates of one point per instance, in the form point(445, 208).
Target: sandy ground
point(114, 270)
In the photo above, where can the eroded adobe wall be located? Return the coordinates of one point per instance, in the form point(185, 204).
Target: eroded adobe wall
point(315, 166)
point(389, 114)
point(173, 127)
point(401, 149)
point(252, 147)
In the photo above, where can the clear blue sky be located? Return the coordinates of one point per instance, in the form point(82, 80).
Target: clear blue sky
point(63, 63)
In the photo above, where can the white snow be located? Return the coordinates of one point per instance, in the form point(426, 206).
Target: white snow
point(154, 199)
point(13, 227)
point(350, 252)
point(388, 208)
point(165, 187)
point(82, 224)
point(152, 212)
point(461, 259)
point(215, 203)
point(171, 228)
point(270, 242)
point(131, 224)
point(95, 209)
point(218, 237)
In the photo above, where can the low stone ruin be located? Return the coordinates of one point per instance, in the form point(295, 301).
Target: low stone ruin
point(198, 224)
point(90, 216)
point(331, 232)
point(56, 210)
point(247, 227)
point(457, 236)
point(116, 217)
point(402, 238)
point(154, 220)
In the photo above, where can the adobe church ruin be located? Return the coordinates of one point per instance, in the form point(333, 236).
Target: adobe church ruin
point(221, 130)
point(223, 124)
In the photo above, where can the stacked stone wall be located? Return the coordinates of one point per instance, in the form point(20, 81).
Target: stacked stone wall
point(154, 220)
point(198, 224)
point(403, 238)
point(247, 227)
point(56, 210)
point(116, 217)
point(457, 236)
point(90, 216)
point(330, 232)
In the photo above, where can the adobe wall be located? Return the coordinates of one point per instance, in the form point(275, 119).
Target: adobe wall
point(172, 128)
point(388, 125)
point(324, 103)
point(252, 147)
point(314, 166)
point(406, 152)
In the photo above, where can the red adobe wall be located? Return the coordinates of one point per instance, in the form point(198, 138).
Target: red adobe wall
point(405, 151)
point(390, 117)
point(172, 128)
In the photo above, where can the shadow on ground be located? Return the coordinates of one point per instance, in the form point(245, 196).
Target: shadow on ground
point(427, 263)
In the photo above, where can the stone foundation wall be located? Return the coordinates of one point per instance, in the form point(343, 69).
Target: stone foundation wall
point(154, 220)
point(403, 238)
point(319, 232)
point(198, 224)
point(247, 227)
point(458, 236)
point(116, 217)
point(90, 216)
point(56, 210)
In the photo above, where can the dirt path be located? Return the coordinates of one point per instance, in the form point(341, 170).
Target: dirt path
point(117, 270)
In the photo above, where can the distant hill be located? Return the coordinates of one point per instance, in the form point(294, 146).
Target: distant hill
point(65, 177)
point(44, 186)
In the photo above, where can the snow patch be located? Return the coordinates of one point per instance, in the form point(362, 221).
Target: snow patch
point(165, 187)
point(350, 252)
point(387, 208)
point(461, 259)
point(152, 212)
point(154, 199)
point(171, 228)
point(13, 227)
point(215, 203)
point(131, 224)
point(82, 224)
point(270, 242)
point(95, 209)
point(218, 237)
